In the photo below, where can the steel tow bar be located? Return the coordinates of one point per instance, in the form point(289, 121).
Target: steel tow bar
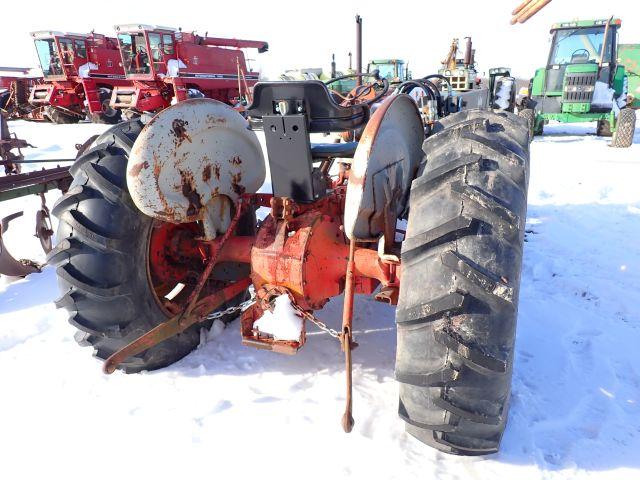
point(195, 311)
point(175, 325)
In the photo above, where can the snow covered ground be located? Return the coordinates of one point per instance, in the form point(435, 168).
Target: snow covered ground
point(227, 411)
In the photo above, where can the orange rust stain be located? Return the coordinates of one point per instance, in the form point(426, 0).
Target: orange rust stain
point(135, 170)
point(206, 173)
point(237, 187)
point(179, 129)
point(190, 193)
point(235, 160)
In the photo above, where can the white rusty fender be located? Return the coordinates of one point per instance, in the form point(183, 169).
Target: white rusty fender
point(384, 165)
point(192, 161)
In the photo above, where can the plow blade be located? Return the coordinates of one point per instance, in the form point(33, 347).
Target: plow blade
point(8, 265)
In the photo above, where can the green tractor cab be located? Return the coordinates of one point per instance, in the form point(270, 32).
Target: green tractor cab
point(583, 81)
point(393, 69)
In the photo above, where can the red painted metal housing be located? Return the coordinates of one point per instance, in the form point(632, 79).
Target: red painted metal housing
point(76, 67)
point(166, 66)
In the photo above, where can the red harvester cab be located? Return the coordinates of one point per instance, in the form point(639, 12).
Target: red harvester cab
point(166, 66)
point(80, 70)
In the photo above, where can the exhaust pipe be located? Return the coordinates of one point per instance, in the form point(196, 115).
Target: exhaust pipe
point(358, 48)
point(468, 53)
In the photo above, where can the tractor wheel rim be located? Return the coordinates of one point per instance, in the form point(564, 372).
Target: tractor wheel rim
point(168, 268)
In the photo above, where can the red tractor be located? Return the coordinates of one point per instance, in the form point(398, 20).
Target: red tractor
point(80, 72)
point(166, 66)
point(158, 235)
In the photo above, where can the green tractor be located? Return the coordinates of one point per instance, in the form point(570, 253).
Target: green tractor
point(393, 69)
point(583, 82)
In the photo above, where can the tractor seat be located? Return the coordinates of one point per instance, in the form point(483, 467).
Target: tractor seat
point(311, 98)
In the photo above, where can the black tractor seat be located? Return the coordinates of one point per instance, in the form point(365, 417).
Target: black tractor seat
point(310, 98)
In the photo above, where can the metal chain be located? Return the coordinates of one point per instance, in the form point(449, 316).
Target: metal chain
point(248, 303)
point(319, 323)
point(237, 308)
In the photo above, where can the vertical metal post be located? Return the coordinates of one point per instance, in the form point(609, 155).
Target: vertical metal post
point(358, 48)
point(346, 337)
point(468, 52)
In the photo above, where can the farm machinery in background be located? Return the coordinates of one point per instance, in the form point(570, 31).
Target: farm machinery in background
point(15, 184)
point(166, 66)
point(80, 72)
point(585, 80)
point(460, 72)
point(15, 86)
point(460, 75)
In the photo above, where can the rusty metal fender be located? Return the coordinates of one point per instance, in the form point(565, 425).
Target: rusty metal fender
point(192, 161)
point(384, 165)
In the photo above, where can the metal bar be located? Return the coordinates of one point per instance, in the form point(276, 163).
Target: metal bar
point(45, 160)
point(236, 43)
point(529, 11)
point(215, 249)
point(29, 190)
point(175, 325)
point(358, 49)
point(33, 178)
point(520, 7)
point(604, 42)
point(347, 319)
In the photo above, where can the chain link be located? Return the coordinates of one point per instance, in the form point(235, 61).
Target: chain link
point(237, 308)
point(318, 323)
point(248, 303)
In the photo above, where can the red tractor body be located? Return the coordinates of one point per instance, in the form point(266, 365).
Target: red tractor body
point(79, 70)
point(166, 66)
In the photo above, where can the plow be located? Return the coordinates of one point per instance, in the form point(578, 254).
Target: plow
point(16, 183)
point(163, 232)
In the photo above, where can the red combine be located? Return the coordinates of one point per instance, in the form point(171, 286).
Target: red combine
point(80, 72)
point(166, 66)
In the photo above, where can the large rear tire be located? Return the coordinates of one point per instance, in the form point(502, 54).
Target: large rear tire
point(461, 263)
point(529, 115)
point(103, 258)
point(625, 129)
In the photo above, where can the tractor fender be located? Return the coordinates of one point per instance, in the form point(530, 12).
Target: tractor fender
point(384, 165)
point(192, 162)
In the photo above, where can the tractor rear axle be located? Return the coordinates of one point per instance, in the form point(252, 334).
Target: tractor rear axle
point(305, 255)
